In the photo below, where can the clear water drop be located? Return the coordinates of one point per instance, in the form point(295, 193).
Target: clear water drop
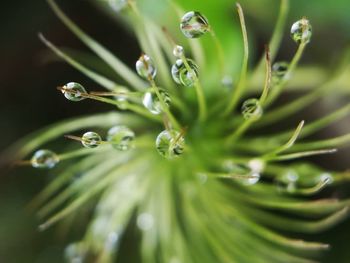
point(72, 91)
point(279, 71)
point(152, 102)
point(251, 109)
point(145, 221)
point(287, 182)
point(121, 137)
point(301, 31)
point(227, 81)
point(122, 99)
point(183, 76)
point(170, 144)
point(145, 67)
point(112, 241)
point(44, 159)
point(118, 5)
point(178, 51)
point(75, 253)
point(194, 24)
point(91, 140)
point(252, 178)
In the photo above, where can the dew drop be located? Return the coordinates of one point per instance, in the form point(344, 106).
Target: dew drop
point(44, 159)
point(178, 51)
point(152, 102)
point(91, 140)
point(287, 182)
point(145, 67)
point(122, 99)
point(112, 241)
point(194, 24)
point(301, 31)
point(227, 81)
point(181, 75)
point(75, 253)
point(121, 137)
point(118, 5)
point(251, 109)
point(279, 71)
point(251, 179)
point(145, 221)
point(170, 144)
point(72, 91)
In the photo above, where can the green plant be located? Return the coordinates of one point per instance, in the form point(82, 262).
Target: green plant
point(196, 182)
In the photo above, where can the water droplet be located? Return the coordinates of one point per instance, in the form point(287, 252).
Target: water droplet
point(91, 140)
point(72, 91)
point(178, 51)
point(251, 109)
point(202, 178)
point(118, 5)
point(181, 75)
point(152, 102)
point(145, 67)
point(251, 179)
point(121, 137)
point(287, 182)
point(44, 159)
point(194, 24)
point(112, 241)
point(145, 221)
point(122, 99)
point(170, 144)
point(75, 253)
point(326, 177)
point(279, 71)
point(301, 31)
point(227, 81)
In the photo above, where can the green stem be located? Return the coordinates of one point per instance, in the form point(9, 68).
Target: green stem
point(165, 108)
point(199, 91)
point(237, 92)
point(278, 88)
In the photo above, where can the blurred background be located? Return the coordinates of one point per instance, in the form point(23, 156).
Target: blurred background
point(29, 100)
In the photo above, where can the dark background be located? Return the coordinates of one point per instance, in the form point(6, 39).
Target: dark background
point(30, 101)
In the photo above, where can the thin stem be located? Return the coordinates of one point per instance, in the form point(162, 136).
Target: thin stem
point(290, 143)
point(240, 131)
point(292, 156)
point(293, 64)
point(277, 34)
point(268, 77)
point(165, 108)
point(103, 81)
point(341, 141)
point(237, 92)
point(219, 52)
point(127, 105)
point(202, 105)
point(246, 124)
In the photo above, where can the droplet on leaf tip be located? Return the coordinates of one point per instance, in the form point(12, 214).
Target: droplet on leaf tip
point(194, 24)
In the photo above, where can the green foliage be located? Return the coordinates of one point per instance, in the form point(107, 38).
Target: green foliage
point(226, 194)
